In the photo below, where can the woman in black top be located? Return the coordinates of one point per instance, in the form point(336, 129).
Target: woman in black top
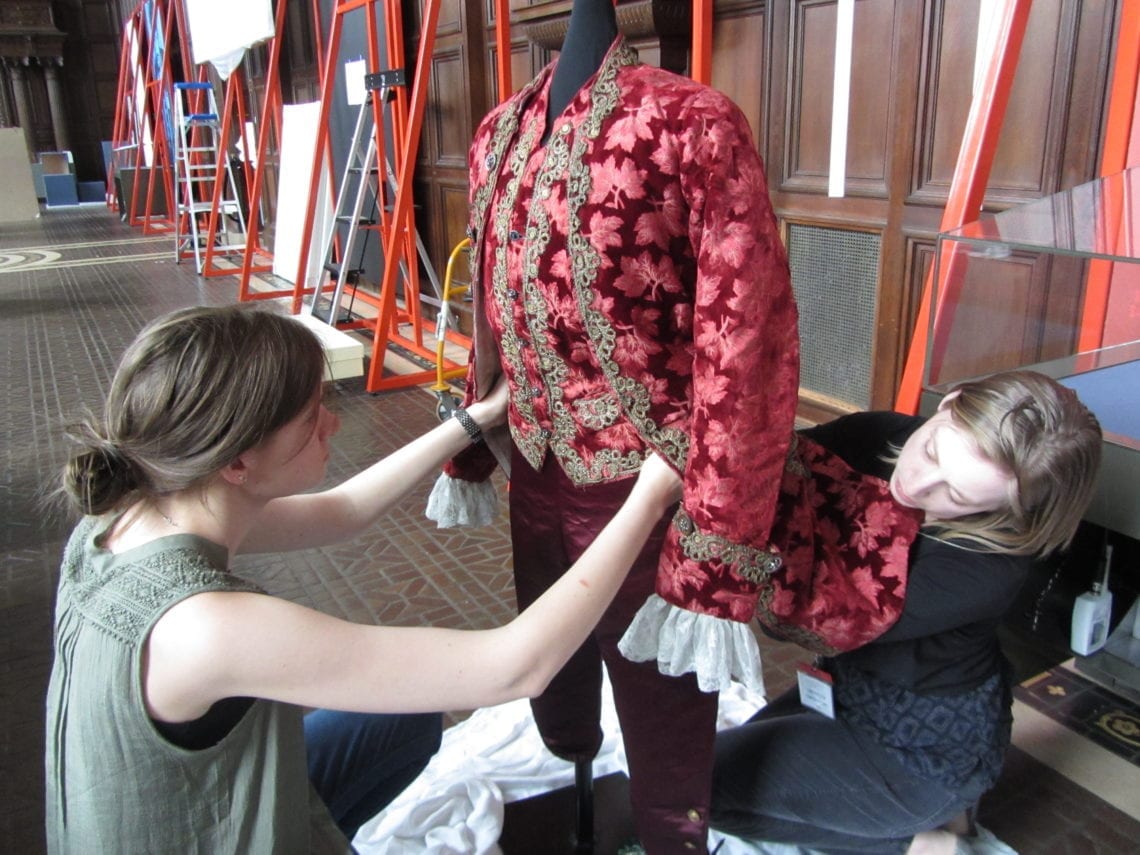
point(1002, 473)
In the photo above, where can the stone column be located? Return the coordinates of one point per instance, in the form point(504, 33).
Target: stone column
point(23, 107)
point(56, 104)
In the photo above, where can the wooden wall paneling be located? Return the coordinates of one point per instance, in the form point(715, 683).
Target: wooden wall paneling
point(1071, 45)
point(443, 224)
point(1059, 67)
point(1033, 134)
point(880, 129)
point(457, 99)
point(523, 61)
point(1048, 141)
point(41, 131)
point(300, 47)
point(450, 122)
point(1014, 310)
point(945, 87)
point(898, 291)
point(301, 64)
point(773, 137)
point(919, 258)
point(1092, 52)
point(989, 322)
point(807, 127)
point(1058, 311)
point(453, 202)
point(526, 59)
point(450, 19)
point(739, 62)
point(872, 93)
point(873, 76)
point(476, 68)
point(103, 42)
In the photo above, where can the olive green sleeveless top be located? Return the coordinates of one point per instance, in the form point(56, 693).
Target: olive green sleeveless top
point(114, 784)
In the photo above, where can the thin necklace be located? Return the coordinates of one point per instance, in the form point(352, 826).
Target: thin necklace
point(169, 521)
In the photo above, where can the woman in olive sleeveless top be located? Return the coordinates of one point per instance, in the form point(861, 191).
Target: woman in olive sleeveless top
point(174, 712)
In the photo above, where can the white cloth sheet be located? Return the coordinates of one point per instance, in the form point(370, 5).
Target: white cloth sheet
point(455, 806)
point(221, 30)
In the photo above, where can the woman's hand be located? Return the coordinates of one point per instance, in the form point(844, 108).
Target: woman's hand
point(491, 411)
point(658, 482)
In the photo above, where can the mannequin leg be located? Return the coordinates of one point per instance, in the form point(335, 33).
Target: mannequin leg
point(584, 800)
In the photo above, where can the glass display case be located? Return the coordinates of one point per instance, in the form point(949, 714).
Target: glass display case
point(1054, 286)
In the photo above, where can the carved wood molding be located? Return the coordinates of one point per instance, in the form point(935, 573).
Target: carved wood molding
point(28, 32)
point(545, 24)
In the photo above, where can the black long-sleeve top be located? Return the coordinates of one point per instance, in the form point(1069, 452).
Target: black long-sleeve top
point(945, 641)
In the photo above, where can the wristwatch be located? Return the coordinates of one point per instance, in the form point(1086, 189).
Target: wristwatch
point(464, 418)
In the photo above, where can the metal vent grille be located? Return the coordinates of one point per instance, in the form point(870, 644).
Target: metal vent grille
point(834, 276)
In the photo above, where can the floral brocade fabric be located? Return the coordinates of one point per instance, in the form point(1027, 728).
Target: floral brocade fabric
point(844, 543)
point(632, 281)
point(631, 284)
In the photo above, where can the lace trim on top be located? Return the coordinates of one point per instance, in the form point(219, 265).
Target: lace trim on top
point(123, 593)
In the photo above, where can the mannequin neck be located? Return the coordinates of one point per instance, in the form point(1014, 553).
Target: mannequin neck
point(592, 29)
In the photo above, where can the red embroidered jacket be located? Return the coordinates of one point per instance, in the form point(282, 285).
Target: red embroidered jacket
point(632, 285)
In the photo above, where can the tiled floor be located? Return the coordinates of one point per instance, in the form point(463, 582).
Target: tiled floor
point(75, 286)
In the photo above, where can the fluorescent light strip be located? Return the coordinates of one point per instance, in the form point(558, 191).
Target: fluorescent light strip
point(841, 97)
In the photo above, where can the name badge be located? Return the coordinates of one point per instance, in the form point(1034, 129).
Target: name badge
point(815, 690)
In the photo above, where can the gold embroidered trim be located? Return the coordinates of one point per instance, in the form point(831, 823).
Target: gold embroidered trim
point(504, 299)
point(792, 462)
point(570, 147)
point(755, 565)
point(805, 638)
point(606, 464)
point(505, 130)
point(598, 413)
point(634, 397)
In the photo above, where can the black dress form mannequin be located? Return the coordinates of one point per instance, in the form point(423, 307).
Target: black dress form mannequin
point(592, 29)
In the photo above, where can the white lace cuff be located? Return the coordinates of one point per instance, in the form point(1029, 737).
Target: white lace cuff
point(717, 650)
point(454, 502)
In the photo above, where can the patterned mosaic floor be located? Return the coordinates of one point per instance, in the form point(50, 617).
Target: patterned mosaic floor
point(75, 286)
point(1086, 708)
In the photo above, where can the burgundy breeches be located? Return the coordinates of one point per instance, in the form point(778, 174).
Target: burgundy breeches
point(668, 724)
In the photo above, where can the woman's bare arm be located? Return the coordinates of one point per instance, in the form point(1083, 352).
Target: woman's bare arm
point(343, 511)
point(221, 645)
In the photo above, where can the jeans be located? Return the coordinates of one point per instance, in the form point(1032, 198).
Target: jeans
point(359, 762)
point(790, 775)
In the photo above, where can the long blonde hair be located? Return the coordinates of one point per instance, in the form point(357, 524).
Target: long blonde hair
point(1039, 431)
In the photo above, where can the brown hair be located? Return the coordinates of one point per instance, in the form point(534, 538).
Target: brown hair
point(1039, 431)
point(195, 389)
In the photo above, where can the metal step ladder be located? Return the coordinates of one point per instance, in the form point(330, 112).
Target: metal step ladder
point(360, 200)
point(207, 212)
